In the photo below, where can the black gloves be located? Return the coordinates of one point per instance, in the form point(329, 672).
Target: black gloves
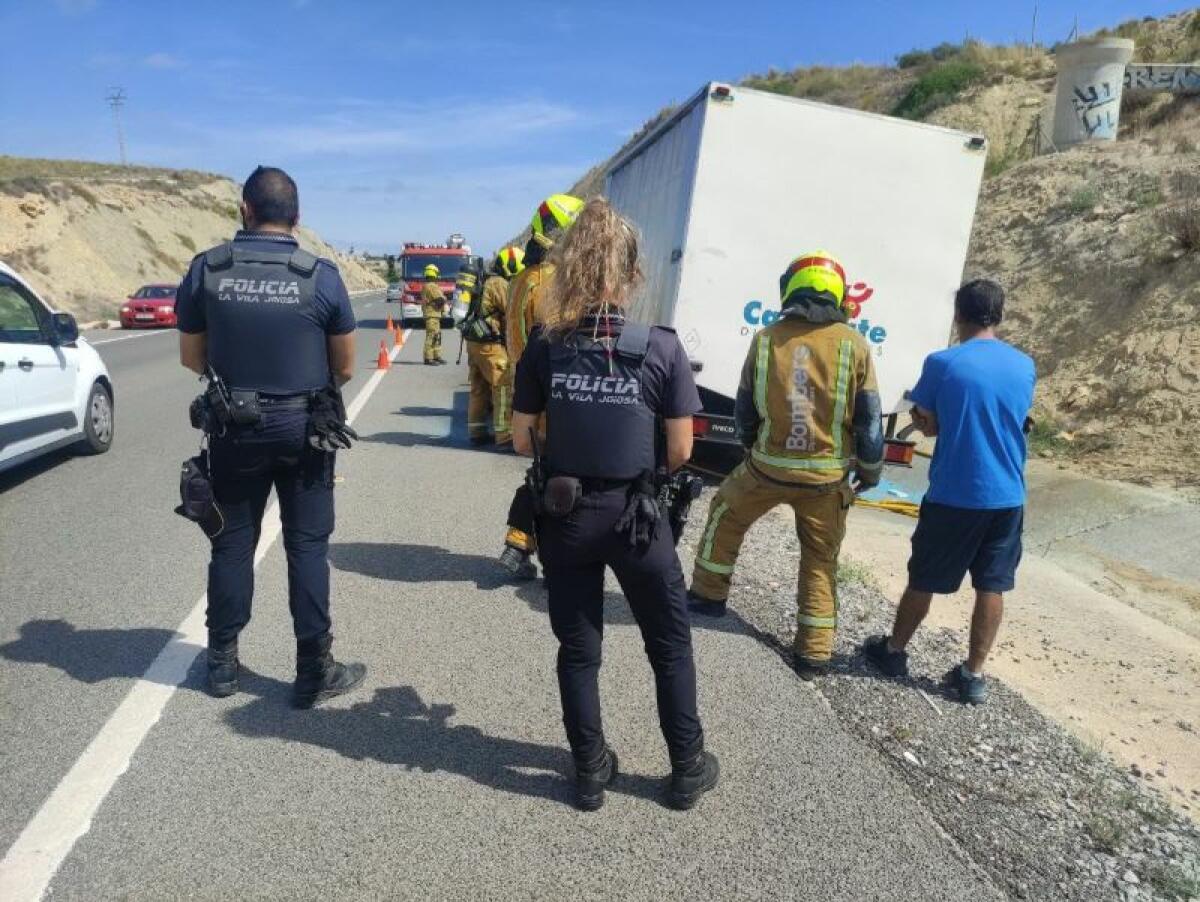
point(327, 428)
point(639, 521)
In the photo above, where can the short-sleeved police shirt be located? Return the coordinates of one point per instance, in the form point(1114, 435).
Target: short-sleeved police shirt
point(331, 311)
point(668, 388)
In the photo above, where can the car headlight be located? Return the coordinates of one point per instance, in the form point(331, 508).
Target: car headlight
point(124, 309)
point(167, 310)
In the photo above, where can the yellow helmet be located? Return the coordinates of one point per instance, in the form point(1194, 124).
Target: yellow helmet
point(818, 272)
point(432, 272)
point(509, 261)
point(554, 216)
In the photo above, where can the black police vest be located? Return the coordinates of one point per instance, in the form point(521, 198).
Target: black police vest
point(598, 424)
point(263, 332)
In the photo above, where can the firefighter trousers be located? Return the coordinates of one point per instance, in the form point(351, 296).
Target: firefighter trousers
point(433, 337)
point(488, 408)
point(820, 512)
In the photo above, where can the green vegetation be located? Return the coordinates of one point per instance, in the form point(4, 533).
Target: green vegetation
point(1157, 41)
point(22, 167)
point(850, 572)
point(859, 87)
point(1083, 199)
point(1107, 832)
point(938, 87)
point(1046, 436)
point(1170, 879)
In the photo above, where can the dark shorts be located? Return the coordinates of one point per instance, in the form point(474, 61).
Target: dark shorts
point(949, 541)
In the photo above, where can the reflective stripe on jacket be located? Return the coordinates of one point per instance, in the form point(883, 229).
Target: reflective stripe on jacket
point(433, 302)
point(800, 388)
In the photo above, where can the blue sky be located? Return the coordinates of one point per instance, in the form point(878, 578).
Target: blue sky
point(405, 121)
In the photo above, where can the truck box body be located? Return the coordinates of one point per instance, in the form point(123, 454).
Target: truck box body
point(740, 182)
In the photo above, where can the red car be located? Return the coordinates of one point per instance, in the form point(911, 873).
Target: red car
point(148, 307)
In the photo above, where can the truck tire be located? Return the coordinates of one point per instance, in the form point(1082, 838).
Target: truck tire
point(98, 421)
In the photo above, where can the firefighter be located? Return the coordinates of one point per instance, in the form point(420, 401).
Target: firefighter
point(487, 360)
point(807, 409)
point(433, 305)
point(552, 218)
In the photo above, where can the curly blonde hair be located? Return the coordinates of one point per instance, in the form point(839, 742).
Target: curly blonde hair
point(596, 263)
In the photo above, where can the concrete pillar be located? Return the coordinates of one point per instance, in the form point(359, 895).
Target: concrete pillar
point(1091, 76)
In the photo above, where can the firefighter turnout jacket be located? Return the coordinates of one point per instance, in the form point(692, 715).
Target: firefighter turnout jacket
point(525, 295)
point(433, 301)
point(808, 405)
point(486, 321)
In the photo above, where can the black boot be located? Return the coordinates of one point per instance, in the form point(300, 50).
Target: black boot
point(222, 668)
point(691, 779)
point(319, 676)
point(590, 780)
point(707, 607)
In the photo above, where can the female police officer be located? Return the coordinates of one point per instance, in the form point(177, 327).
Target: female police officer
point(604, 385)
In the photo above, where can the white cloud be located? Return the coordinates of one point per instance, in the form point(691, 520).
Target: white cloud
point(437, 125)
point(162, 60)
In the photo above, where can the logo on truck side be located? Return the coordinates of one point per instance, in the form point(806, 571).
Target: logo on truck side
point(755, 314)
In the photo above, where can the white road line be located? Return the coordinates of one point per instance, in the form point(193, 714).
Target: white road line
point(35, 857)
point(108, 341)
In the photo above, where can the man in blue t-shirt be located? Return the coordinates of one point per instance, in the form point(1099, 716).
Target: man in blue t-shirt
point(975, 397)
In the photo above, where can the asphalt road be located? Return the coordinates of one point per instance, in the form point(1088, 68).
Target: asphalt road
point(444, 777)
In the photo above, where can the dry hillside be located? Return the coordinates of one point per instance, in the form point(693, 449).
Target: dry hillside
point(1099, 247)
point(87, 234)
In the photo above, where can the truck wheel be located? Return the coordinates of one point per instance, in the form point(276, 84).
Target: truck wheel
point(98, 421)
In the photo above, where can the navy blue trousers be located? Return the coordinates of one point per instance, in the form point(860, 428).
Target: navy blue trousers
point(246, 463)
point(575, 551)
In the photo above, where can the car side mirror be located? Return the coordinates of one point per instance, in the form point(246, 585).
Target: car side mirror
point(64, 329)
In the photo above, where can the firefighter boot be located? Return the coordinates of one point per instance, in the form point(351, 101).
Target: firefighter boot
point(318, 676)
point(222, 668)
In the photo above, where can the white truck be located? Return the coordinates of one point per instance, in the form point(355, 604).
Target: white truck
point(738, 182)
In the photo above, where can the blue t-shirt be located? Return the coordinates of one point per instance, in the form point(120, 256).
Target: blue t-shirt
point(981, 392)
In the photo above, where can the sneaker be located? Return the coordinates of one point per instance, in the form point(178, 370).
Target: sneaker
point(518, 563)
point(807, 669)
point(590, 781)
point(706, 607)
point(692, 779)
point(971, 689)
point(892, 663)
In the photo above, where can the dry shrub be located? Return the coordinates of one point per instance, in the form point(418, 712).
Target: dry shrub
point(1181, 218)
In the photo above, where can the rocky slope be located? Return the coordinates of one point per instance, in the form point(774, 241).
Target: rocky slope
point(85, 234)
point(1098, 247)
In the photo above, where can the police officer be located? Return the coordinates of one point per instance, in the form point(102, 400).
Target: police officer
point(553, 217)
point(604, 384)
point(433, 306)
point(272, 327)
point(808, 412)
point(487, 360)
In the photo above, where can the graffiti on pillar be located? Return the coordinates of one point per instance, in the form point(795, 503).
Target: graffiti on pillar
point(1165, 77)
point(1098, 108)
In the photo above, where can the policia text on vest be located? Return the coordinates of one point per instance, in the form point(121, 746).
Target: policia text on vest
point(264, 315)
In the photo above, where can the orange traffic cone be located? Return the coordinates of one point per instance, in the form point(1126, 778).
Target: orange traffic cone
point(391, 327)
point(398, 338)
point(383, 362)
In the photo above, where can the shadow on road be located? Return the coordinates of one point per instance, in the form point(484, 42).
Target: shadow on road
point(426, 411)
point(34, 468)
point(95, 655)
point(430, 563)
point(397, 727)
point(416, 439)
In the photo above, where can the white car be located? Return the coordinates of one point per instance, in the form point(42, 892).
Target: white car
point(395, 291)
point(55, 390)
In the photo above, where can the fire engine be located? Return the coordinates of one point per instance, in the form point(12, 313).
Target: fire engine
point(449, 258)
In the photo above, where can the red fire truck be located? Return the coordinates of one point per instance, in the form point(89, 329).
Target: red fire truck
point(449, 258)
